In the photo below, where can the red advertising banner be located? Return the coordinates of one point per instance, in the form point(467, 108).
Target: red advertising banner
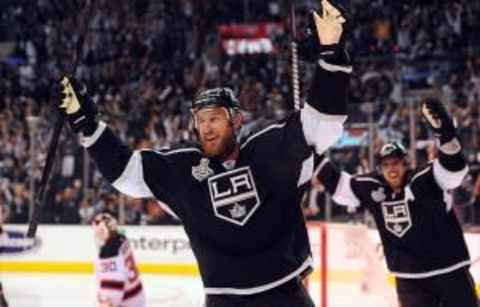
point(249, 38)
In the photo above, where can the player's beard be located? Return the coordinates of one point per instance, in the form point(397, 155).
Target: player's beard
point(221, 148)
point(395, 183)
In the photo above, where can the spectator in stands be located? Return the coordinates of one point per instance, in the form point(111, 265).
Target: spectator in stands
point(19, 207)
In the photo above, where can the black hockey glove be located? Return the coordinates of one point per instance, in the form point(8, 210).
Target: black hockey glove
point(78, 107)
point(437, 117)
point(325, 35)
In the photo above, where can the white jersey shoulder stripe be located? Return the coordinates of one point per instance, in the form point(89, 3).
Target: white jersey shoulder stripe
point(274, 126)
point(421, 173)
point(369, 179)
point(174, 151)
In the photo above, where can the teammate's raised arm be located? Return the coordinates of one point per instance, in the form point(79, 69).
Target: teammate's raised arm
point(326, 102)
point(450, 168)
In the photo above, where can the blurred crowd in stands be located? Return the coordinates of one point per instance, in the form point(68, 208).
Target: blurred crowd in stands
point(143, 62)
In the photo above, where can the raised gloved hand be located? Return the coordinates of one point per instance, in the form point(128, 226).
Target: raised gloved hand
point(329, 25)
point(325, 35)
point(437, 117)
point(78, 106)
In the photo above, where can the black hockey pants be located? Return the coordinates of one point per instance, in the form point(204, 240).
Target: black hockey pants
point(454, 289)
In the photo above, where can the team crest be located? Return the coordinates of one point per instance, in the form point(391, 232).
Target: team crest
point(202, 171)
point(378, 195)
point(397, 217)
point(234, 195)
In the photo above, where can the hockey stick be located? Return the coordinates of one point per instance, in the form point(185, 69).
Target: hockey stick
point(294, 58)
point(41, 198)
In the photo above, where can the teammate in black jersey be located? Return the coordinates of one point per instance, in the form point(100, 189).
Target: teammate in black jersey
point(239, 202)
point(422, 239)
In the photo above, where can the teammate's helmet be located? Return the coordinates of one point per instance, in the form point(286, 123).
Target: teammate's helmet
point(216, 97)
point(392, 149)
point(105, 225)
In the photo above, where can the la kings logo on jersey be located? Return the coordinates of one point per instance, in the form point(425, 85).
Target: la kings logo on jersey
point(397, 217)
point(234, 195)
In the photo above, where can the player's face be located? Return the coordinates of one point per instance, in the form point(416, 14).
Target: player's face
point(394, 170)
point(101, 231)
point(216, 132)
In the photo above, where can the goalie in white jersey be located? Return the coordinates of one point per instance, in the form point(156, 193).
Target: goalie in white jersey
point(118, 278)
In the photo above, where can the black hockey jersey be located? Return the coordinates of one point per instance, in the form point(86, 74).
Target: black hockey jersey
point(420, 233)
point(244, 221)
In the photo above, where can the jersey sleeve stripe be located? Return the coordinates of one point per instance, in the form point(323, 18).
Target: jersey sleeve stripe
point(306, 172)
point(112, 284)
point(321, 130)
point(334, 68)
point(131, 182)
point(344, 194)
point(167, 209)
point(87, 141)
point(132, 292)
point(451, 148)
point(446, 179)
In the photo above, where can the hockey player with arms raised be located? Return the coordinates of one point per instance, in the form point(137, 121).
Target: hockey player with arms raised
point(118, 279)
point(239, 202)
point(422, 239)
